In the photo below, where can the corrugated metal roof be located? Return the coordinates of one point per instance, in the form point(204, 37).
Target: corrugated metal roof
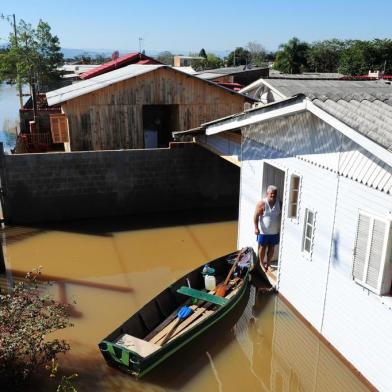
point(371, 118)
point(87, 86)
point(187, 70)
point(209, 75)
point(130, 71)
point(231, 70)
point(77, 68)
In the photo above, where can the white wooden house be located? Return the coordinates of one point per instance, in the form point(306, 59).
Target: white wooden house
point(331, 157)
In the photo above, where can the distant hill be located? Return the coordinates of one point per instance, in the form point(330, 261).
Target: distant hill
point(70, 52)
point(73, 52)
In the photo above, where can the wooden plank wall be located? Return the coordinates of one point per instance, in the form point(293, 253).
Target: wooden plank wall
point(111, 118)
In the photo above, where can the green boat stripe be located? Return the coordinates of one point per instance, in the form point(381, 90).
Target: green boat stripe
point(141, 374)
point(124, 360)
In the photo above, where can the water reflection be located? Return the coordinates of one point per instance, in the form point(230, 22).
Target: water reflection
point(112, 268)
point(9, 114)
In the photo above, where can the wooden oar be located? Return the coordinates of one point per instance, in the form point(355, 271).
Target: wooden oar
point(199, 311)
point(221, 289)
point(183, 313)
point(185, 327)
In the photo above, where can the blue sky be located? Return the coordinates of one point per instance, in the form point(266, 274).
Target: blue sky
point(181, 25)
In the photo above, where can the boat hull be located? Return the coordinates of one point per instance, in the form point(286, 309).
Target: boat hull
point(127, 361)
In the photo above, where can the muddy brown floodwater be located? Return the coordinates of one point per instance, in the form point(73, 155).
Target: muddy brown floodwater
point(111, 268)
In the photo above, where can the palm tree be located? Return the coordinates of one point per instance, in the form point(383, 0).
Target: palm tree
point(292, 56)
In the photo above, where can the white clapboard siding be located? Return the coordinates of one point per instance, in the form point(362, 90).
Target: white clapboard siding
point(338, 180)
point(221, 144)
point(309, 138)
point(318, 190)
point(356, 321)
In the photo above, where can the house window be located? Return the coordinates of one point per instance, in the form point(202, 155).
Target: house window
point(294, 196)
point(308, 236)
point(372, 253)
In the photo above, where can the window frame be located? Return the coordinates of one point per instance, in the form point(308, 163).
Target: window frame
point(294, 218)
point(386, 254)
point(308, 254)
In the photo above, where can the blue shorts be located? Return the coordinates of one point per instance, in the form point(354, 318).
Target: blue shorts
point(268, 239)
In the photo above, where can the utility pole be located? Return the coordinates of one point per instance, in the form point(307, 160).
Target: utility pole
point(140, 44)
point(19, 84)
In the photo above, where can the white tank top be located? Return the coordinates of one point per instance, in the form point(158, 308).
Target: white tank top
point(270, 220)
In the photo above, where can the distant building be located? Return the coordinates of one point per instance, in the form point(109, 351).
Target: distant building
point(185, 61)
point(329, 152)
point(239, 76)
point(72, 72)
point(138, 106)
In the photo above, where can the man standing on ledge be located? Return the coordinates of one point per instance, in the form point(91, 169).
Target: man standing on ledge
point(267, 225)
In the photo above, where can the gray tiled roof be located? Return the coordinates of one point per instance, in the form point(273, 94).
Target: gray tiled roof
point(329, 88)
point(370, 117)
point(231, 70)
point(306, 75)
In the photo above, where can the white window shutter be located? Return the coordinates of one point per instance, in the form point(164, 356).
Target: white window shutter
point(376, 254)
point(361, 245)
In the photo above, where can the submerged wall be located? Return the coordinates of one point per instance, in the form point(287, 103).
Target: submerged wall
point(66, 186)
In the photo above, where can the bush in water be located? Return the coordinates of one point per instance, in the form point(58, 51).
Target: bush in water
point(27, 317)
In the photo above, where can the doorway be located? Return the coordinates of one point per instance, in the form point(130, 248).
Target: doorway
point(274, 176)
point(159, 121)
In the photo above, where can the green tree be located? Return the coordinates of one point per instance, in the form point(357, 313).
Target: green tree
point(33, 55)
point(360, 57)
point(291, 57)
point(84, 58)
point(203, 53)
point(257, 53)
point(101, 58)
point(165, 57)
point(210, 62)
point(324, 56)
point(239, 56)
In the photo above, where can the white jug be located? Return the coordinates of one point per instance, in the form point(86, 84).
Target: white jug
point(210, 282)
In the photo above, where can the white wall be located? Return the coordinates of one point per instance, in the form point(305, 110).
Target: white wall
point(301, 280)
point(356, 321)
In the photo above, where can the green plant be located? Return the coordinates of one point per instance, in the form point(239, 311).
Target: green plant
point(27, 317)
point(66, 384)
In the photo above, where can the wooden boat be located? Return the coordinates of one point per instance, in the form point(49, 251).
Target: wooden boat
point(155, 332)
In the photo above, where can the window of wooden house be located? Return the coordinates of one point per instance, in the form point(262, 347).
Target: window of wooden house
point(372, 253)
point(308, 234)
point(294, 196)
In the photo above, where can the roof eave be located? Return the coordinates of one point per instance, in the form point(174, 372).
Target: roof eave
point(292, 106)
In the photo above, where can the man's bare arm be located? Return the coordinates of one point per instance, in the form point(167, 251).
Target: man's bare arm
point(259, 211)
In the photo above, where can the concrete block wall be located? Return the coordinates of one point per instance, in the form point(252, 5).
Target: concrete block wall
point(66, 186)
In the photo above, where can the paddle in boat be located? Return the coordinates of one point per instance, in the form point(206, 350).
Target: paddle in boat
point(180, 313)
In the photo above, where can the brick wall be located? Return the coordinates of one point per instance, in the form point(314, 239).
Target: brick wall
point(66, 186)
